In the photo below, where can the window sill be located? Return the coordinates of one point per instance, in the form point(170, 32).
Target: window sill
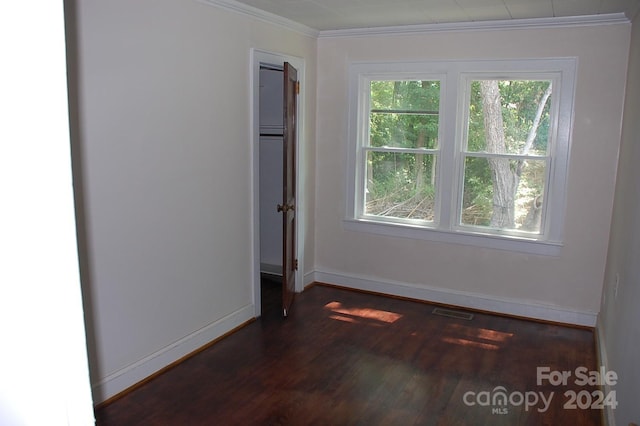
point(476, 239)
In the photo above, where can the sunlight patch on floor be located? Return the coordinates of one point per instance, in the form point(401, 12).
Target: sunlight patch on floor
point(479, 333)
point(482, 338)
point(472, 343)
point(362, 313)
point(349, 319)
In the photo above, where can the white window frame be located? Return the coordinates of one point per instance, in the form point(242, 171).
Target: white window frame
point(455, 77)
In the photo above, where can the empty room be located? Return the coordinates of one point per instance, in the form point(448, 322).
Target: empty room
point(328, 212)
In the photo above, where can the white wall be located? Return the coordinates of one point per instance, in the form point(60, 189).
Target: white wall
point(44, 374)
point(564, 288)
point(619, 326)
point(166, 166)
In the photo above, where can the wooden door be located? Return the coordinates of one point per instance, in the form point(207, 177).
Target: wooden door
point(288, 207)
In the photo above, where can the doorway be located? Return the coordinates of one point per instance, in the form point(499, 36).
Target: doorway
point(270, 153)
point(268, 163)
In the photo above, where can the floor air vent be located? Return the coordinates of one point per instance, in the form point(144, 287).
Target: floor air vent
point(452, 314)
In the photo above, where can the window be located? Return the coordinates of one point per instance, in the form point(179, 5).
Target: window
point(402, 149)
point(473, 152)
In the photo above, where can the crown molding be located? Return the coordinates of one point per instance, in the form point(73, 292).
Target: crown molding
point(261, 15)
point(506, 24)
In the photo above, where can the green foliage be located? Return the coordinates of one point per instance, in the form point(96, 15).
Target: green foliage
point(393, 188)
point(520, 100)
point(520, 103)
point(477, 202)
point(407, 95)
point(403, 130)
point(404, 114)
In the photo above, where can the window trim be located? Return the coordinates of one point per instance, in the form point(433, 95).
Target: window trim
point(364, 85)
point(454, 76)
point(461, 139)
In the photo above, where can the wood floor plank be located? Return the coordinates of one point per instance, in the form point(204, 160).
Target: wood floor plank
point(360, 359)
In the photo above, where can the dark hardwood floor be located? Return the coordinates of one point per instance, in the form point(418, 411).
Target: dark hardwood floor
point(348, 358)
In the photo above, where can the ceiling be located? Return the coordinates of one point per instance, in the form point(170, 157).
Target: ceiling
point(346, 14)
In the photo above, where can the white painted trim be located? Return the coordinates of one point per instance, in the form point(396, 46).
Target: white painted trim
point(601, 347)
point(455, 77)
point(503, 24)
point(128, 376)
point(271, 269)
point(506, 24)
point(506, 306)
point(261, 15)
point(309, 278)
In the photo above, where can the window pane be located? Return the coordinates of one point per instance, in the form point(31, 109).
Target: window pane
point(503, 193)
point(403, 130)
point(417, 95)
point(404, 113)
point(509, 116)
point(400, 185)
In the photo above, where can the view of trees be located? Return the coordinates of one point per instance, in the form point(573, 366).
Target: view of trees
point(505, 159)
point(404, 131)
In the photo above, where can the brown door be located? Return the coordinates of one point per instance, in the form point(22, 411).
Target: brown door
point(288, 207)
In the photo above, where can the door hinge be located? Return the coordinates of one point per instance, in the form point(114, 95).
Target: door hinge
point(295, 264)
point(297, 87)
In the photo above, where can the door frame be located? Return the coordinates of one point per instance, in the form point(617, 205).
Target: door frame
point(258, 57)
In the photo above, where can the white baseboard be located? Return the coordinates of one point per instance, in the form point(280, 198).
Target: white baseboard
point(269, 268)
point(608, 416)
point(134, 373)
point(309, 278)
point(481, 302)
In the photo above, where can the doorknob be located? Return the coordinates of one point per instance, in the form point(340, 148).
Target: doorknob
point(285, 208)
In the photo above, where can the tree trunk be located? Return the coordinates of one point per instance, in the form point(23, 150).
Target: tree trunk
point(534, 128)
point(505, 180)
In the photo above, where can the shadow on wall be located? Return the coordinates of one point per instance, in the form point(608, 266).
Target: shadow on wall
point(71, 28)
